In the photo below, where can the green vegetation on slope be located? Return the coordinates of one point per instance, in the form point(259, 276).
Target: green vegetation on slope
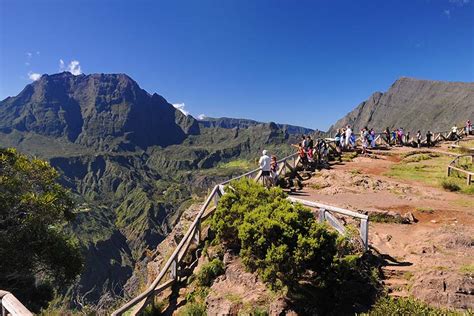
point(36, 255)
point(430, 170)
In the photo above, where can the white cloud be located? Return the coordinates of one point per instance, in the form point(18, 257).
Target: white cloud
point(180, 106)
point(27, 63)
point(28, 54)
point(34, 76)
point(73, 67)
point(447, 13)
point(37, 52)
point(201, 117)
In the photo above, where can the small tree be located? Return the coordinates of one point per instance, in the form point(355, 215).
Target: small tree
point(36, 254)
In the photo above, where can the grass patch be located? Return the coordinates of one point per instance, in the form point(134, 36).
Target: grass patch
point(431, 172)
point(420, 157)
point(450, 185)
point(427, 210)
point(348, 156)
point(385, 218)
point(319, 186)
point(193, 309)
point(467, 269)
point(355, 171)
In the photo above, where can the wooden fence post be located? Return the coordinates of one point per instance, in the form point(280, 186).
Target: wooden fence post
point(197, 232)
point(364, 232)
point(322, 215)
point(174, 269)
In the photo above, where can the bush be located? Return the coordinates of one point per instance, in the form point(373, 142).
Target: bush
point(209, 272)
point(406, 306)
point(449, 185)
point(278, 239)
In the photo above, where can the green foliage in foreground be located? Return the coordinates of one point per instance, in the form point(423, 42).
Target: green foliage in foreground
point(35, 254)
point(408, 306)
point(290, 250)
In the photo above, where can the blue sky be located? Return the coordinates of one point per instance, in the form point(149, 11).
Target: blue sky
point(301, 62)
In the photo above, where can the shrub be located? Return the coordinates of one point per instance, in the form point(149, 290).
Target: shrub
point(449, 185)
point(278, 239)
point(209, 272)
point(406, 306)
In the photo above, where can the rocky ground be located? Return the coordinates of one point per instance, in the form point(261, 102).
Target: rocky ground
point(431, 258)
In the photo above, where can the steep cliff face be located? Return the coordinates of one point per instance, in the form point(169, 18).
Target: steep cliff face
point(102, 111)
point(414, 104)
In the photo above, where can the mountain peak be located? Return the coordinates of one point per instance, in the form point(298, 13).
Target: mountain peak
point(95, 109)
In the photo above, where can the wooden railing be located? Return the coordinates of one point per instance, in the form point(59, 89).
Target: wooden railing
point(12, 306)
point(326, 213)
point(453, 167)
point(381, 138)
point(170, 273)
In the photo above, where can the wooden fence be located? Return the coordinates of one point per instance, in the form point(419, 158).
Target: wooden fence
point(12, 306)
point(453, 166)
point(170, 273)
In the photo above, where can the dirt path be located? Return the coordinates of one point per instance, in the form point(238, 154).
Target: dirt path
point(431, 259)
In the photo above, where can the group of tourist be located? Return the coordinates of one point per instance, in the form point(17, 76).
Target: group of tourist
point(309, 152)
point(346, 139)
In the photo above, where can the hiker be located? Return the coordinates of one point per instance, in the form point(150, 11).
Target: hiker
point(265, 166)
point(468, 127)
point(454, 133)
point(304, 142)
point(274, 170)
point(387, 136)
point(407, 138)
point(365, 140)
point(372, 138)
point(310, 142)
point(337, 139)
point(418, 139)
point(428, 139)
point(348, 135)
point(394, 137)
point(400, 136)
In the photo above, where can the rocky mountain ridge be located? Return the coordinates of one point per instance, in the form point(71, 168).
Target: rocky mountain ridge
point(414, 105)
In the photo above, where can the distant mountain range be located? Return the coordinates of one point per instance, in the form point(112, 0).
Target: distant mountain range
point(226, 122)
point(414, 105)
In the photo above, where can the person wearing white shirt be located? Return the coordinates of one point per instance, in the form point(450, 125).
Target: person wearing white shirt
point(265, 163)
point(348, 135)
